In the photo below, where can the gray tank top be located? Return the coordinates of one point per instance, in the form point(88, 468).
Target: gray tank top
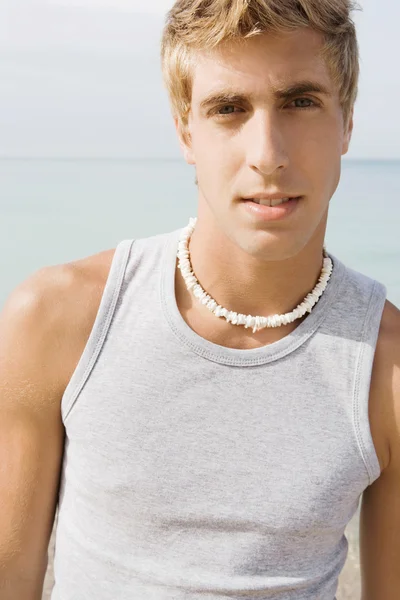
point(199, 472)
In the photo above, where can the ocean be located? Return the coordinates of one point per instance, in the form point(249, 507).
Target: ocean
point(57, 210)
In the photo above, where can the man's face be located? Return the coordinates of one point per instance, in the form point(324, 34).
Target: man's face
point(254, 140)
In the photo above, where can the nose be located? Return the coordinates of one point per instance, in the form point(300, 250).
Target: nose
point(265, 144)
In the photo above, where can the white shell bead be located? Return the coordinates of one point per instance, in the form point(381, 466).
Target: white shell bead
point(248, 321)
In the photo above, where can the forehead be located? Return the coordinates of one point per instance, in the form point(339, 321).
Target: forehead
point(261, 63)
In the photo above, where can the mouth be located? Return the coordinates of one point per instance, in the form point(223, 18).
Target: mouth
point(269, 210)
point(272, 203)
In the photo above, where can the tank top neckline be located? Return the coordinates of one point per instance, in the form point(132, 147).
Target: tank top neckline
point(234, 356)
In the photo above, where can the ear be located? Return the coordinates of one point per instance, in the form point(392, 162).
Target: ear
point(348, 133)
point(185, 141)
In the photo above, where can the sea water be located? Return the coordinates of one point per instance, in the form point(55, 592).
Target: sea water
point(54, 211)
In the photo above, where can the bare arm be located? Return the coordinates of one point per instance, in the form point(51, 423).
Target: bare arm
point(32, 380)
point(380, 511)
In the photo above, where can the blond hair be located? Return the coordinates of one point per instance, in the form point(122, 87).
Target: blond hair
point(204, 24)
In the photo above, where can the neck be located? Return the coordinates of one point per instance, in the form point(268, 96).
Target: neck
point(247, 284)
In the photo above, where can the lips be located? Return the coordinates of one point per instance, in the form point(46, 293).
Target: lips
point(266, 213)
point(267, 202)
point(273, 201)
point(271, 197)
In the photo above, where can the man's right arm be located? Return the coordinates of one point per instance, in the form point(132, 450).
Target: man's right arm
point(34, 371)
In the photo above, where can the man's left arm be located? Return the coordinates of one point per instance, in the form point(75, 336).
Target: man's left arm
point(380, 507)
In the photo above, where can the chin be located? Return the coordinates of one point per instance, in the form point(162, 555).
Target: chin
point(269, 248)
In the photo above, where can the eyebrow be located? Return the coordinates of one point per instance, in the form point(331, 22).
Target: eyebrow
point(228, 96)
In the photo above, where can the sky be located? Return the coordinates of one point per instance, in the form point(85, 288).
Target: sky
point(82, 78)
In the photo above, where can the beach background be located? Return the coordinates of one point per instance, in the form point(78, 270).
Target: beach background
point(54, 211)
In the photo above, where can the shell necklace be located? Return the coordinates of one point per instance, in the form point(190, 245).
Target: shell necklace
point(256, 323)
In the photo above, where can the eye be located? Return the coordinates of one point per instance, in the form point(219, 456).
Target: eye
point(313, 103)
point(227, 110)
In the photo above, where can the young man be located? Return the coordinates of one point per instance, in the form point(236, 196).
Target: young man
point(203, 450)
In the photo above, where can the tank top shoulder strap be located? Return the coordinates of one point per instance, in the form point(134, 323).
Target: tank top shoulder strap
point(363, 373)
point(100, 327)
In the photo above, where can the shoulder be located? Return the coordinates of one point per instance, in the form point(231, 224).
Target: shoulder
point(385, 385)
point(389, 333)
point(44, 285)
point(51, 313)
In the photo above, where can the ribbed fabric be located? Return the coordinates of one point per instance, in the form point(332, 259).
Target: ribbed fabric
point(193, 471)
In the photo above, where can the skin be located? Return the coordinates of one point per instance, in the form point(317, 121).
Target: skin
point(261, 144)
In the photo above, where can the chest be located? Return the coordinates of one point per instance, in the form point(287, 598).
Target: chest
point(215, 446)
